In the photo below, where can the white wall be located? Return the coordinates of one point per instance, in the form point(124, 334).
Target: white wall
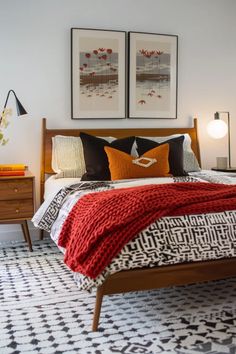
point(35, 61)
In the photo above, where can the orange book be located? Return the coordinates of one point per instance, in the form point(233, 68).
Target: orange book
point(12, 173)
point(12, 167)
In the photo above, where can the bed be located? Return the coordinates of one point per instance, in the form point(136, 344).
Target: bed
point(145, 278)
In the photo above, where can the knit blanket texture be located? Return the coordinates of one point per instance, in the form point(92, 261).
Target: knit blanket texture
point(100, 224)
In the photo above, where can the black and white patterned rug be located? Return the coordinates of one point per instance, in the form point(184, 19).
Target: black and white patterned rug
point(42, 311)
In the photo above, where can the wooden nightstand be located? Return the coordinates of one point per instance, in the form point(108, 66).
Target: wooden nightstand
point(17, 202)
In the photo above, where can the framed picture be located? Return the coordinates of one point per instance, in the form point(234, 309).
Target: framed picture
point(98, 73)
point(153, 75)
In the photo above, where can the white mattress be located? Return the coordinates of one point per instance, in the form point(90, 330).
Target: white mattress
point(53, 185)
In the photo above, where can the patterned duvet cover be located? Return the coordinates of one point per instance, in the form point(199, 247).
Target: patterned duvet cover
point(170, 240)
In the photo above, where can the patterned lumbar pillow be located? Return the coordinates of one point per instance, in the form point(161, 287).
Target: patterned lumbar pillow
point(154, 163)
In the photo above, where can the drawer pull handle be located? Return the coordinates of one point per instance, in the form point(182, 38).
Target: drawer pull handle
point(17, 211)
point(15, 190)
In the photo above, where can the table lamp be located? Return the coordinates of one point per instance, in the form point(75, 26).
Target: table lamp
point(217, 129)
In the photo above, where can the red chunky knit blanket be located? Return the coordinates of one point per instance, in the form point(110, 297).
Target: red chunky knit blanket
point(100, 224)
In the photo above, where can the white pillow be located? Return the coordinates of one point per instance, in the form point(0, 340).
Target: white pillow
point(67, 156)
point(190, 161)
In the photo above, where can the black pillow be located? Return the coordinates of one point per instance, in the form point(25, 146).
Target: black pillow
point(176, 153)
point(96, 161)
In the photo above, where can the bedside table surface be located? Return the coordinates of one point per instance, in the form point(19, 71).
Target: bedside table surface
point(228, 169)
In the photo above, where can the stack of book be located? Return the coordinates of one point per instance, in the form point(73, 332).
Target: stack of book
point(12, 170)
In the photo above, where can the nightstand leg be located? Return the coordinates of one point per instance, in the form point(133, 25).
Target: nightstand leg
point(26, 233)
point(41, 235)
point(23, 232)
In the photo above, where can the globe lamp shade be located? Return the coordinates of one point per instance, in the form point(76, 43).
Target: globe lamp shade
point(217, 128)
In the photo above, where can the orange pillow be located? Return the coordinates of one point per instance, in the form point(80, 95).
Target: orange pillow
point(154, 163)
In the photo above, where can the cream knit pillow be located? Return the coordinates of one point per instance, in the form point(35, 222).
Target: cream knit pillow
point(67, 156)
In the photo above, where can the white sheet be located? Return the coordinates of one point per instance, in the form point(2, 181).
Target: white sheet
point(53, 185)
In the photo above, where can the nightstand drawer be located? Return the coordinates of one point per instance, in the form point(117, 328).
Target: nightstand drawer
point(14, 209)
point(16, 189)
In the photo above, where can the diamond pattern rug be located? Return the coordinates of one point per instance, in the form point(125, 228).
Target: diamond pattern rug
point(42, 311)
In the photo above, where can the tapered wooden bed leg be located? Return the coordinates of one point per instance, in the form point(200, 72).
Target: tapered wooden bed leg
point(97, 309)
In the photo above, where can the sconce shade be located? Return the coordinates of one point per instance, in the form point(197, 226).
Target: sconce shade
point(217, 128)
point(3, 116)
point(19, 108)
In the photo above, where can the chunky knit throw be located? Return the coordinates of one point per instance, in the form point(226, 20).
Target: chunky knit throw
point(101, 223)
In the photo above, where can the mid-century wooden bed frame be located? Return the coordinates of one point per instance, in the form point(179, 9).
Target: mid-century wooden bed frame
point(145, 278)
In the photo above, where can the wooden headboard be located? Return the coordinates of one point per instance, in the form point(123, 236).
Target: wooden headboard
point(118, 133)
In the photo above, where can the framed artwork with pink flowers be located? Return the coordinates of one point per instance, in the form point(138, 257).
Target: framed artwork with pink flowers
point(153, 75)
point(98, 73)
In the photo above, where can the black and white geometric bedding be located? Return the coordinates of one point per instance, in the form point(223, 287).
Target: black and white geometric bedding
point(170, 240)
